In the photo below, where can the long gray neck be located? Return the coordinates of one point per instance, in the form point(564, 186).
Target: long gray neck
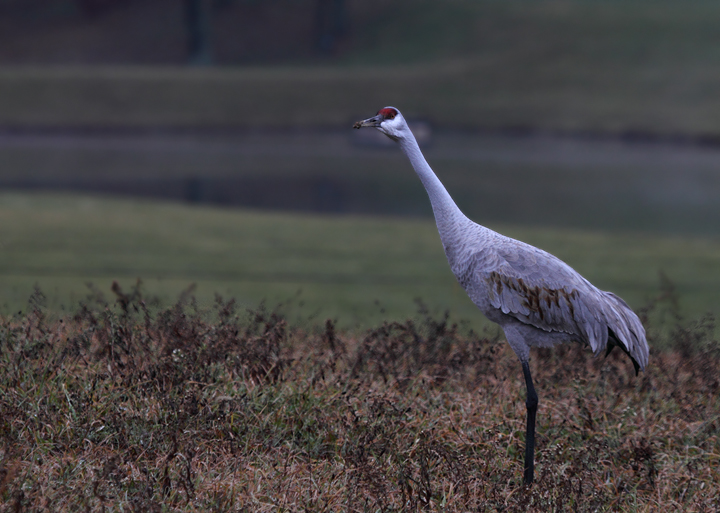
point(451, 222)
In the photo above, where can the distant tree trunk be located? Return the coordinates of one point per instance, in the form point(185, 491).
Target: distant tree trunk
point(330, 25)
point(197, 22)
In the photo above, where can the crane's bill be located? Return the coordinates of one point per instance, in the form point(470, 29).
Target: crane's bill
point(373, 121)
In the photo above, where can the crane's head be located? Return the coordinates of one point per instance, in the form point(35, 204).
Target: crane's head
point(389, 121)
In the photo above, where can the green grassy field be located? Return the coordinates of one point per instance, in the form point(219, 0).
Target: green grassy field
point(613, 67)
point(357, 270)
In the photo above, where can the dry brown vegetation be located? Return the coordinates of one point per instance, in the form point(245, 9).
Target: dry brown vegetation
point(120, 409)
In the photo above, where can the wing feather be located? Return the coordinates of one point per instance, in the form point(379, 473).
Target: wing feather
point(541, 290)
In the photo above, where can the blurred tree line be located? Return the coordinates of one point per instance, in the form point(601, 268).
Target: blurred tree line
point(172, 31)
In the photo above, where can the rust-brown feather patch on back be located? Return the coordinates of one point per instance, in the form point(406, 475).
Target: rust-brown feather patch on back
point(536, 299)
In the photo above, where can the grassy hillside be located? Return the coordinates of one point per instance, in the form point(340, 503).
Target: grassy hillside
point(358, 270)
point(616, 67)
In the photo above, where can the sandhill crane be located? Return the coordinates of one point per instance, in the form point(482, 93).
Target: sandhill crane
point(535, 297)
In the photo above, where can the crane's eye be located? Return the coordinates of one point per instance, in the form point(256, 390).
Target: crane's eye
point(388, 113)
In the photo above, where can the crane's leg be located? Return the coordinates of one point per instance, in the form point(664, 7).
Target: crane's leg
point(531, 403)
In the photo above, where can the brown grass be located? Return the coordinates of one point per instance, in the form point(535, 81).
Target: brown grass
point(117, 408)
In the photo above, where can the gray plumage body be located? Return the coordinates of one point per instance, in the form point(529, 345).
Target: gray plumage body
point(535, 297)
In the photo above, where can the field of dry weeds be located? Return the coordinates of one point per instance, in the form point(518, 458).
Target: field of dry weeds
point(118, 409)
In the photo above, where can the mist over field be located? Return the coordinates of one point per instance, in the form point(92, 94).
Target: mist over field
point(216, 295)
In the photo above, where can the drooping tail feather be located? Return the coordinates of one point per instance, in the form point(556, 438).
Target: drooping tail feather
point(625, 330)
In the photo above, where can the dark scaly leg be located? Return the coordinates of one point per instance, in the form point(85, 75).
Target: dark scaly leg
point(531, 403)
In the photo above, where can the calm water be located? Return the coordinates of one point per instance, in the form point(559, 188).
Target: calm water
point(571, 181)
